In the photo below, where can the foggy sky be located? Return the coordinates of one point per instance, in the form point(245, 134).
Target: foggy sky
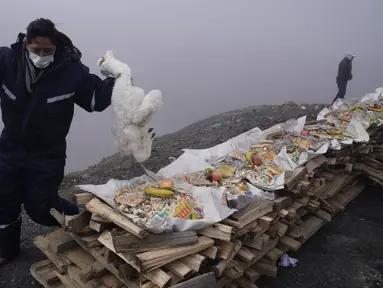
point(213, 56)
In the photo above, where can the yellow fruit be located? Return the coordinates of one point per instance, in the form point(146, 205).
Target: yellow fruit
point(159, 192)
point(335, 132)
point(226, 171)
point(167, 184)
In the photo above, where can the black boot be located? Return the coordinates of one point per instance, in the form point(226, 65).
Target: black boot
point(10, 242)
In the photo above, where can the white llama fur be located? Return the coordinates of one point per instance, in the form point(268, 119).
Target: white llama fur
point(132, 109)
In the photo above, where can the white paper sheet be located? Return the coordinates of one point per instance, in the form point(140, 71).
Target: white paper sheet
point(358, 132)
point(295, 126)
point(186, 164)
point(209, 198)
point(241, 142)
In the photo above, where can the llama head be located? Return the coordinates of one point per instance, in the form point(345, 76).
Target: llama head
point(110, 66)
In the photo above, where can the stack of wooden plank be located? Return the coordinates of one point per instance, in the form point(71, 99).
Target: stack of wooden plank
point(101, 248)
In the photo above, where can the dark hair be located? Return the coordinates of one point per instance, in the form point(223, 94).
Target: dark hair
point(42, 27)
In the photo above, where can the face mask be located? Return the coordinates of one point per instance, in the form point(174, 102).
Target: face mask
point(40, 61)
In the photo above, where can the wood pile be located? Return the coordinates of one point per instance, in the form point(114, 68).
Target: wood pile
point(101, 248)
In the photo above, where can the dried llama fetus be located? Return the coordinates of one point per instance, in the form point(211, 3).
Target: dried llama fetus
point(132, 110)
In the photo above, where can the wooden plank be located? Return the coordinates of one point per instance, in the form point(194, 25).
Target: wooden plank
point(250, 210)
point(149, 285)
point(79, 257)
point(127, 272)
point(194, 261)
point(91, 240)
point(315, 163)
point(107, 281)
point(221, 266)
point(304, 231)
point(225, 249)
point(82, 198)
point(249, 218)
point(99, 227)
point(99, 219)
point(44, 273)
point(211, 252)
point(251, 274)
point(95, 252)
point(217, 231)
point(74, 275)
point(274, 254)
point(269, 245)
point(99, 208)
point(243, 282)
point(96, 270)
point(175, 278)
point(265, 221)
point(247, 228)
point(159, 278)
point(323, 215)
point(62, 243)
point(233, 272)
point(347, 195)
point(79, 222)
point(337, 184)
point(282, 228)
point(282, 202)
point(290, 242)
point(106, 239)
point(296, 176)
point(203, 281)
point(257, 242)
point(266, 269)
point(60, 218)
point(156, 258)
point(131, 243)
point(66, 281)
point(283, 213)
point(180, 269)
point(246, 254)
point(42, 242)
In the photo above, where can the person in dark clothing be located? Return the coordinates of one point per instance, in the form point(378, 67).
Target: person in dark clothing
point(344, 75)
point(41, 78)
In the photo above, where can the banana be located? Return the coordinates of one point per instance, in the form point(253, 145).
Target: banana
point(159, 192)
point(335, 132)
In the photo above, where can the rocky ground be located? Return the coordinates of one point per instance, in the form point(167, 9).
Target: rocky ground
point(347, 252)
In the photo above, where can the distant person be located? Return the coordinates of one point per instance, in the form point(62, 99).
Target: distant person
point(344, 75)
point(41, 78)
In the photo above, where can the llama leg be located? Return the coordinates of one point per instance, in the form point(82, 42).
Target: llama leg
point(128, 140)
point(146, 141)
point(151, 104)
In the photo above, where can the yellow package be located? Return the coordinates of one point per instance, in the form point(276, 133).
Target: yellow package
point(184, 211)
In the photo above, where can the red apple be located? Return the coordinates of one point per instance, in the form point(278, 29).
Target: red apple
point(216, 176)
point(305, 133)
point(257, 161)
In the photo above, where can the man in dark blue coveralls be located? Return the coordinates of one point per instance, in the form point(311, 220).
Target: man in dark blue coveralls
point(344, 75)
point(41, 78)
